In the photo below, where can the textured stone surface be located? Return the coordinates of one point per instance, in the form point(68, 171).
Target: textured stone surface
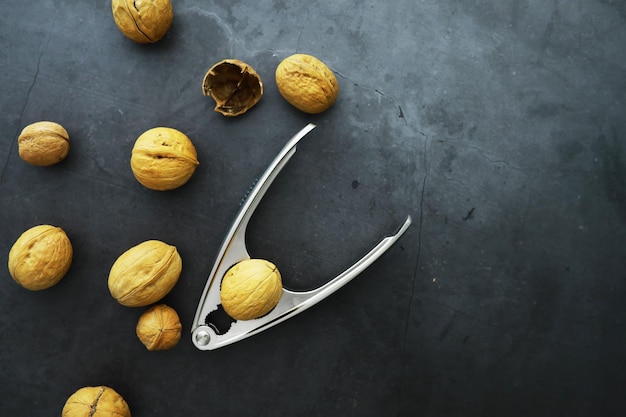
point(498, 125)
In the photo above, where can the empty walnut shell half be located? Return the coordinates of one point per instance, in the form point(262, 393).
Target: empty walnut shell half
point(234, 85)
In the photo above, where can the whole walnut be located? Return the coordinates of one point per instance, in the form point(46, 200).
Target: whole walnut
point(234, 85)
point(163, 159)
point(306, 83)
point(98, 401)
point(40, 257)
point(251, 289)
point(159, 328)
point(43, 143)
point(144, 21)
point(145, 273)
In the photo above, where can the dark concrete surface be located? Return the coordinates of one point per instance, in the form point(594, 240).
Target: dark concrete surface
point(498, 125)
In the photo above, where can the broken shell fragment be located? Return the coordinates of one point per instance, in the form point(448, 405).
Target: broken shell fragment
point(234, 85)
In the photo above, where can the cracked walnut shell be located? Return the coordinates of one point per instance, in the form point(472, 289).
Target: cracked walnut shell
point(163, 159)
point(251, 289)
point(145, 273)
point(306, 83)
point(43, 143)
point(98, 401)
point(159, 328)
point(40, 257)
point(234, 85)
point(143, 21)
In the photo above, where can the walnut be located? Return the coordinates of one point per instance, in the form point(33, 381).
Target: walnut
point(98, 401)
point(159, 328)
point(43, 143)
point(163, 159)
point(306, 83)
point(251, 289)
point(145, 273)
point(40, 257)
point(144, 21)
point(234, 85)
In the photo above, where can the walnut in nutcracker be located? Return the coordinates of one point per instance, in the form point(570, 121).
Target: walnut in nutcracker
point(100, 401)
point(159, 328)
point(251, 289)
point(40, 257)
point(43, 143)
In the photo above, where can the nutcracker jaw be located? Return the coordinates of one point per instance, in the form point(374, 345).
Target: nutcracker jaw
point(212, 327)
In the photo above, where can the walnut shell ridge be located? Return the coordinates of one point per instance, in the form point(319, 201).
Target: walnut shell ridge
point(145, 273)
point(306, 83)
point(43, 143)
point(159, 328)
point(251, 289)
point(100, 401)
point(40, 257)
point(163, 159)
point(143, 21)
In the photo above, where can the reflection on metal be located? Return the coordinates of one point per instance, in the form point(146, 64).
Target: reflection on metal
point(212, 328)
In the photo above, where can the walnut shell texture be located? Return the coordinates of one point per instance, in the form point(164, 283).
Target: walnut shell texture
point(306, 83)
point(159, 328)
point(100, 401)
point(143, 21)
point(145, 273)
point(234, 85)
point(40, 257)
point(251, 289)
point(43, 143)
point(163, 159)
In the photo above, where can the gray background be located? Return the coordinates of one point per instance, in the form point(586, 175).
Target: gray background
point(497, 125)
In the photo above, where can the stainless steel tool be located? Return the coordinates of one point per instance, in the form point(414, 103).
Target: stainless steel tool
point(212, 327)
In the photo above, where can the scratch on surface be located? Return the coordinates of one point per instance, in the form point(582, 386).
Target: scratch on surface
point(449, 178)
point(497, 161)
point(23, 111)
point(469, 215)
point(400, 111)
point(220, 22)
point(546, 37)
point(420, 224)
point(469, 316)
point(306, 21)
point(235, 41)
point(392, 98)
